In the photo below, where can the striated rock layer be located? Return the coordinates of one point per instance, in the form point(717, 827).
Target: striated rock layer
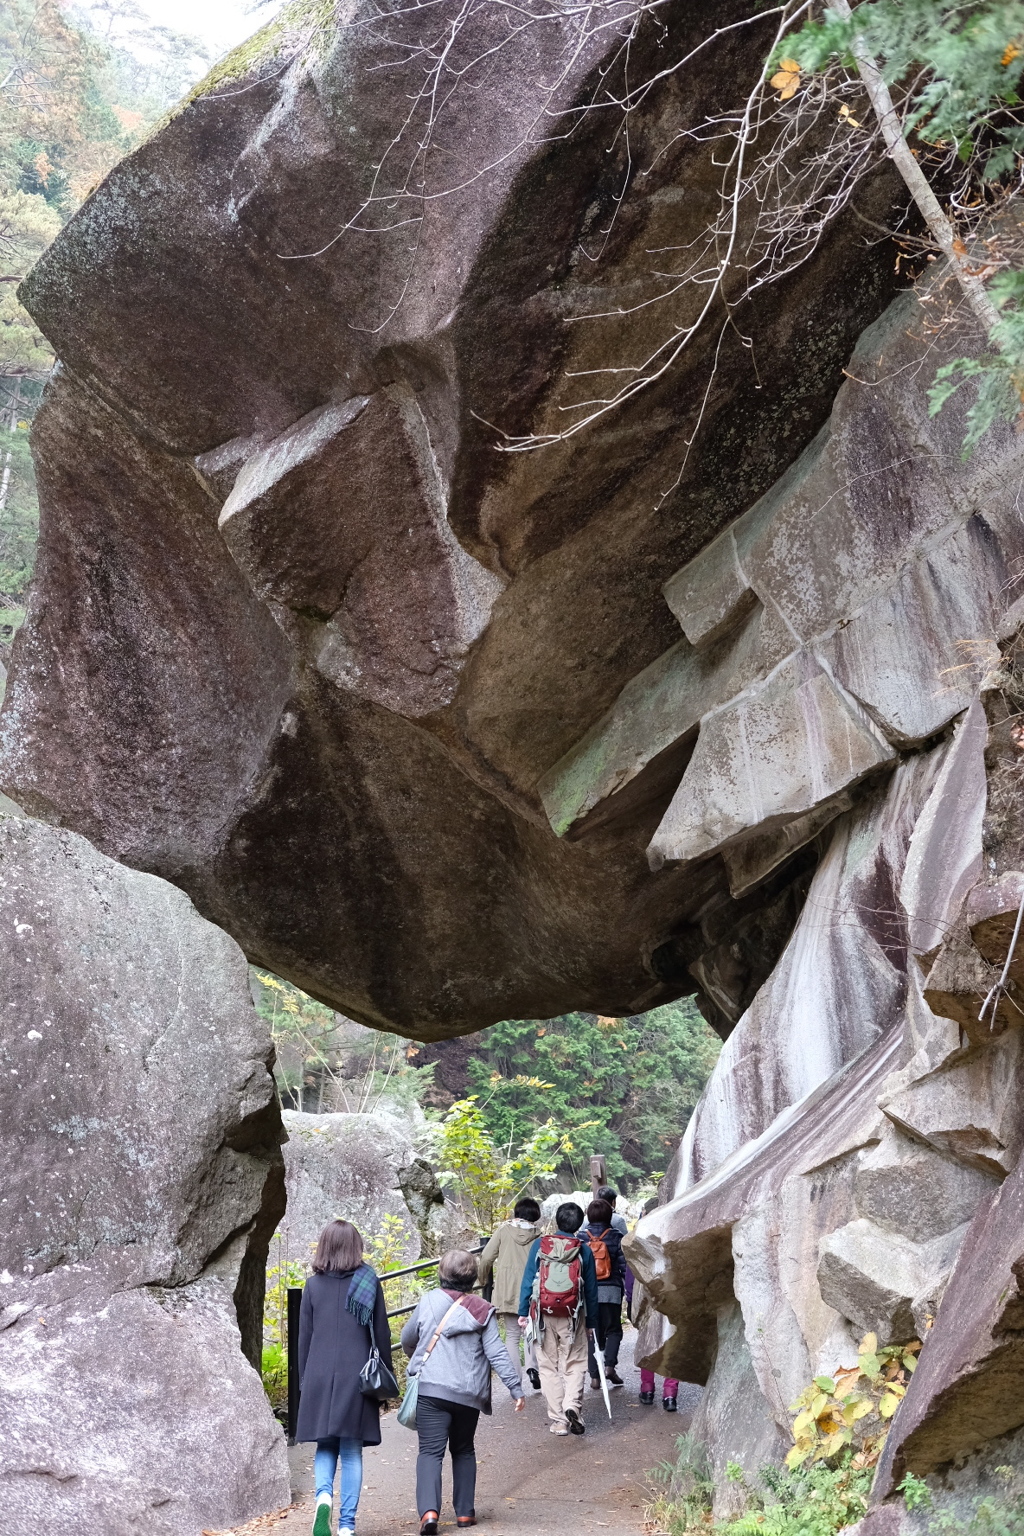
point(142, 1178)
point(844, 1172)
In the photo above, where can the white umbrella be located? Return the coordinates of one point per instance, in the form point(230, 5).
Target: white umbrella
point(604, 1378)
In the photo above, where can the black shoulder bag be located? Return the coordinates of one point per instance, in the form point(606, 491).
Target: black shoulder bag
point(375, 1380)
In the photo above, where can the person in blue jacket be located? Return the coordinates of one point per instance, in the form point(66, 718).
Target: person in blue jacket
point(561, 1341)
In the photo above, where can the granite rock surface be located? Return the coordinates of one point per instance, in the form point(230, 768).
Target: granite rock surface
point(142, 1178)
point(347, 1167)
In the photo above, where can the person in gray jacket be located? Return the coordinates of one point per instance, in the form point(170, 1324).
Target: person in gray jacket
point(505, 1256)
point(453, 1343)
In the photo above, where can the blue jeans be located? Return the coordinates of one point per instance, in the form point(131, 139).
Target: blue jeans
point(350, 1454)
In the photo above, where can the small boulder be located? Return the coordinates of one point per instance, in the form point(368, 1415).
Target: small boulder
point(344, 1166)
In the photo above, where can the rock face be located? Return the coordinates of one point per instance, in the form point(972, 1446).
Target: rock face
point(303, 640)
point(842, 1173)
point(139, 1138)
point(345, 1166)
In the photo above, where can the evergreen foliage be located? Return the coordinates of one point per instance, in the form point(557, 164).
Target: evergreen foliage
point(624, 1087)
point(80, 87)
point(963, 63)
point(957, 70)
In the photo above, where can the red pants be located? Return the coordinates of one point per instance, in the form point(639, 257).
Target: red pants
point(670, 1389)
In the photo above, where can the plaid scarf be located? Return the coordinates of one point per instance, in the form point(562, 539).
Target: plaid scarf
point(362, 1293)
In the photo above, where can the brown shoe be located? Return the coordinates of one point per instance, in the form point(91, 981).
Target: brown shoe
point(428, 1524)
point(463, 1520)
point(595, 1385)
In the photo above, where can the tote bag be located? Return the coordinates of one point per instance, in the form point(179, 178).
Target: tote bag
point(407, 1412)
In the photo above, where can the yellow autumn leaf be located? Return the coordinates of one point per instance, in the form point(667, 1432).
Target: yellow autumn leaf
point(887, 1407)
point(834, 1443)
point(796, 1457)
point(861, 1408)
point(787, 80)
point(802, 1423)
point(819, 1405)
point(869, 1344)
point(847, 116)
point(1012, 52)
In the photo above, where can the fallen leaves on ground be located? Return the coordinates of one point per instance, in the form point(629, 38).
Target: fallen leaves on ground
point(261, 1523)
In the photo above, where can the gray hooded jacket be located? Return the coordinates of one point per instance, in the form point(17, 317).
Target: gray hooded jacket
point(458, 1369)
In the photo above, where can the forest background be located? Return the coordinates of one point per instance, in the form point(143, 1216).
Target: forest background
point(80, 87)
point(624, 1087)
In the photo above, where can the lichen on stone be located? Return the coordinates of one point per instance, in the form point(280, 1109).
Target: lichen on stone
point(300, 26)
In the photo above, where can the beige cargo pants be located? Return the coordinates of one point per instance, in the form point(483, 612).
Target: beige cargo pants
point(562, 1363)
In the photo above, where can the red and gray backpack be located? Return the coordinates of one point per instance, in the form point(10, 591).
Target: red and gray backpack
point(558, 1287)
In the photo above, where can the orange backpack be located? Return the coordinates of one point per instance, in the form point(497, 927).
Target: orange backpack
point(602, 1258)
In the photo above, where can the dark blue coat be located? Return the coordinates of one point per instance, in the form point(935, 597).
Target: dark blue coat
point(333, 1348)
point(612, 1239)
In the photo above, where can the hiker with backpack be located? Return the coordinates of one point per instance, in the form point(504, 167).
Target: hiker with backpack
point(558, 1309)
point(505, 1258)
point(610, 1266)
point(453, 1344)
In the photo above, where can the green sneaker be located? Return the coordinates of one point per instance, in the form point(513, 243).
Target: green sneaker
point(322, 1522)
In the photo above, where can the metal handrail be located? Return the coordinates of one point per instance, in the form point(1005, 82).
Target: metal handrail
point(411, 1269)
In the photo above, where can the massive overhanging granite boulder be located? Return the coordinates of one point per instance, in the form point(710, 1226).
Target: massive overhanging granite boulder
point(142, 1179)
point(303, 640)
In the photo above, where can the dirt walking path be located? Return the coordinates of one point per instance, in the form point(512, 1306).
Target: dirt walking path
point(530, 1482)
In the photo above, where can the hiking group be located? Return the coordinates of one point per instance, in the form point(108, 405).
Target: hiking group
point(559, 1295)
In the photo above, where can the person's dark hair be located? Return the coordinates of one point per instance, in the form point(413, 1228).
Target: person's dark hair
point(569, 1217)
point(599, 1211)
point(527, 1210)
point(457, 1270)
point(340, 1248)
point(607, 1193)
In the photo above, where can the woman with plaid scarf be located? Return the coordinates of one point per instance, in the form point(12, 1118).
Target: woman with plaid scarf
point(341, 1303)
